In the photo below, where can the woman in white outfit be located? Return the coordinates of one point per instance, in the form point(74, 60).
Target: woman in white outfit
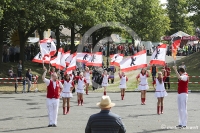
point(80, 87)
point(143, 85)
point(68, 86)
point(105, 81)
point(160, 91)
point(122, 86)
point(87, 77)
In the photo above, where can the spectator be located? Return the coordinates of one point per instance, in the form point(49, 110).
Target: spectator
point(16, 85)
point(168, 71)
point(153, 71)
point(11, 73)
point(24, 85)
point(19, 69)
point(105, 121)
point(29, 78)
point(183, 66)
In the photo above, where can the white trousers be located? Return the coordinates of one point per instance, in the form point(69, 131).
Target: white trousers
point(182, 108)
point(52, 106)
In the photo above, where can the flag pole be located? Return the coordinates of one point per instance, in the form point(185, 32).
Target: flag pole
point(42, 57)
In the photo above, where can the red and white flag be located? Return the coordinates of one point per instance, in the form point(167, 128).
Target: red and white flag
point(47, 47)
point(63, 61)
point(38, 58)
point(158, 56)
point(56, 62)
point(69, 59)
point(116, 59)
point(72, 65)
point(83, 57)
point(139, 60)
point(95, 60)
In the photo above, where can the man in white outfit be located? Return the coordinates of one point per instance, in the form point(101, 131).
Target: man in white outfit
point(54, 88)
point(182, 96)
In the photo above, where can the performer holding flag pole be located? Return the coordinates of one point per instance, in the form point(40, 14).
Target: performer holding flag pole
point(176, 41)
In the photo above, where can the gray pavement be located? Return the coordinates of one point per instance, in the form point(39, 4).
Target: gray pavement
point(27, 113)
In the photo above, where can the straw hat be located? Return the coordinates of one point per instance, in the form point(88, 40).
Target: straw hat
point(105, 102)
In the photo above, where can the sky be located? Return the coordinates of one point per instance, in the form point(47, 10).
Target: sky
point(163, 1)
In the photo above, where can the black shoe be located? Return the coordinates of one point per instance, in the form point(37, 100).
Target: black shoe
point(50, 125)
point(54, 125)
point(179, 126)
point(183, 126)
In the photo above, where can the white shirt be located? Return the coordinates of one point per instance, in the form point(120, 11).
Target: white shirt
point(184, 77)
point(47, 81)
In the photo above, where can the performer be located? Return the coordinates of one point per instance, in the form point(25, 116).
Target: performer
point(160, 91)
point(182, 96)
point(54, 87)
point(168, 71)
point(105, 81)
point(122, 86)
point(67, 92)
point(87, 77)
point(143, 85)
point(80, 87)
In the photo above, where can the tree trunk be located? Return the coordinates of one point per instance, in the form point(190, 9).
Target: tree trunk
point(57, 38)
point(72, 47)
point(22, 46)
point(41, 34)
point(1, 46)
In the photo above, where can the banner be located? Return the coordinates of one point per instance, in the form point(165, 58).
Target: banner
point(158, 56)
point(116, 59)
point(63, 61)
point(38, 58)
point(72, 65)
point(83, 57)
point(47, 47)
point(95, 60)
point(134, 62)
point(56, 62)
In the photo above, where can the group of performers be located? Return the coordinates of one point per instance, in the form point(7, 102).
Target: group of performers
point(67, 85)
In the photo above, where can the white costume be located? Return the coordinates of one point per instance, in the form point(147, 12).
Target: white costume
point(105, 80)
point(143, 85)
point(123, 82)
point(66, 93)
point(87, 77)
point(160, 89)
point(81, 85)
point(71, 76)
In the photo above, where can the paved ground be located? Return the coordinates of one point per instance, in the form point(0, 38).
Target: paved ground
point(22, 113)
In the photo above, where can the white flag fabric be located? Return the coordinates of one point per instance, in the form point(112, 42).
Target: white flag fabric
point(95, 60)
point(69, 59)
point(63, 61)
point(72, 65)
point(83, 57)
point(56, 62)
point(116, 59)
point(139, 60)
point(158, 56)
point(38, 58)
point(47, 47)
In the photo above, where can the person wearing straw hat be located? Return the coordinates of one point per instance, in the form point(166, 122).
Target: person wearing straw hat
point(105, 121)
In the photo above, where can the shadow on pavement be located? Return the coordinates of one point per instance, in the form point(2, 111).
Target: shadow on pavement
point(24, 129)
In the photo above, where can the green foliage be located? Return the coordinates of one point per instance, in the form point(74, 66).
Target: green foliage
point(178, 14)
point(194, 7)
point(148, 19)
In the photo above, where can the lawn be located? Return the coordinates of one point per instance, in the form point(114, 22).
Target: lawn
point(192, 63)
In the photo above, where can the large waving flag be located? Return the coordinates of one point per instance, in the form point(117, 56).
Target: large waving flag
point(95, 60)
point(158, 56)
point(116, 59)
point(83, 57)
point(72, 65)
point(134, 62)
point(63, 61)
point(56, 62)
point(38, 58)
point(47, 47)
point(176, 41)
point(69, 59)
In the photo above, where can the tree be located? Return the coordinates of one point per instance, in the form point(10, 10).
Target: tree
point(178, 14)
point(148, 19)
point(194, 7)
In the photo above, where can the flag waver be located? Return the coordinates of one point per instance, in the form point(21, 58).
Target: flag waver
point(158, 56)
point(116, 59)
point(134, 62)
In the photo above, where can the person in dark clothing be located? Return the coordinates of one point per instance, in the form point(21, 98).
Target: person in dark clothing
point(105, 121)
point(19, 69)
point(29, 79)
point(153, 70)
point(16, 86)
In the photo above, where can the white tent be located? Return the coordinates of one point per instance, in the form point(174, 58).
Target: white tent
point(180, 34)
